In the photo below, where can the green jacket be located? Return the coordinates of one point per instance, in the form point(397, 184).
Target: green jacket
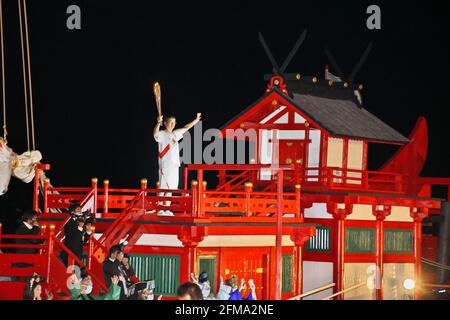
point(112, 294)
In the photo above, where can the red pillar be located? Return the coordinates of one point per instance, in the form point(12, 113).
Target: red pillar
point(339, 214)
point(380, 212)
point(279, 235)
point(418, 214)
point(190, 237)
point(299, 238)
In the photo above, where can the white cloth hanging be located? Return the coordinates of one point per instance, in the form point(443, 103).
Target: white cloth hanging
point(20, 166)
point(25, 164)
point(6, 155)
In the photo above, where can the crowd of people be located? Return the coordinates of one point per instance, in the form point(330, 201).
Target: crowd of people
point(200, 289)
point(119, 276)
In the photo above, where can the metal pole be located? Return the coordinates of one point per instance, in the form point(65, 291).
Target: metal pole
point(444, 241)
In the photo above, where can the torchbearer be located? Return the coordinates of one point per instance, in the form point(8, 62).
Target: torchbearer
point(169, 152)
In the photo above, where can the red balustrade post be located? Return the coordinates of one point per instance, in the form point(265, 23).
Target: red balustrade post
point(94, 182)
point(200, 193)
point(105, 196)
point(144, 193)
point(51, 243)
point(91, 249)
point(42, 233)
point(37, 173)
point(46, 186)
point(203, 195)
point(194, 186)
point(298, 209)
point(185, 175)
point(248, 190)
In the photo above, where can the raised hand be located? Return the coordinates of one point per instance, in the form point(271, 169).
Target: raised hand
point(199, 116)
point(194, 278)
point(159, 119)
point(251, 284)
point(242, 286)
point(49, 294)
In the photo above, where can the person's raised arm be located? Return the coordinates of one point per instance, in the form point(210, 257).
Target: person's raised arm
point(191, 124)
point(158, 125)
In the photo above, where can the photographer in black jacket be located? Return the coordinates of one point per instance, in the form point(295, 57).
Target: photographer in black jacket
point(77, 232)
point(29, 226)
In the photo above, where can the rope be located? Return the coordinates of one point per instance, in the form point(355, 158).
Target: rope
point(328, 286)
point(435, 264)
point(29, 73)
point(5, 132)
point(344, 291)
point(24, 75)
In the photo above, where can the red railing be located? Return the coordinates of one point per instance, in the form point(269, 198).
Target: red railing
point(46, 262)
point(314, 178)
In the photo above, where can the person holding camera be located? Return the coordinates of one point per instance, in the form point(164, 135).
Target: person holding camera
point(77, 232)
point(29, 226)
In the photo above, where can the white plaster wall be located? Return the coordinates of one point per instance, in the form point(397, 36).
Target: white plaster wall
point(318, 211)
point(316, 275)
point(361, 212)
point(399, 214)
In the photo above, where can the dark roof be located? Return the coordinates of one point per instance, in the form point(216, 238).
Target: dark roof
point(344, 117)
point(336, 109)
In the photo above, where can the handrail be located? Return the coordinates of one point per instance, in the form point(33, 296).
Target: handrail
point(344, 291)
point(81, 264)
point(308, 293)
point(118, 220)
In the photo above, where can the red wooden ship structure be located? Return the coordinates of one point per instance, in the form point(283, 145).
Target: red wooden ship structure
point(305, 213)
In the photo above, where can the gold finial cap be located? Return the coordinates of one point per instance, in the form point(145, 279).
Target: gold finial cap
point(194, 182)
point(274, 102)
point(345, 84)
point(94, 180)
point(314, 79)
point(298, 76)
point(144, 181)
point(248, 184)
point(106, 181)
point(298, 186)
point(360, 87)
point(44, 226)
point(205, 183)
point(52, 227)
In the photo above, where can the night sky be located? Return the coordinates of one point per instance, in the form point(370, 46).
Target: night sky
point(92, 88)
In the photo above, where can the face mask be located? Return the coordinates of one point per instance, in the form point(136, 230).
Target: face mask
point(150, 297)
point(88, 289)
point(206, 292)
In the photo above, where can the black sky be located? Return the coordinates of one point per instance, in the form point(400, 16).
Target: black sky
point(92, 88)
